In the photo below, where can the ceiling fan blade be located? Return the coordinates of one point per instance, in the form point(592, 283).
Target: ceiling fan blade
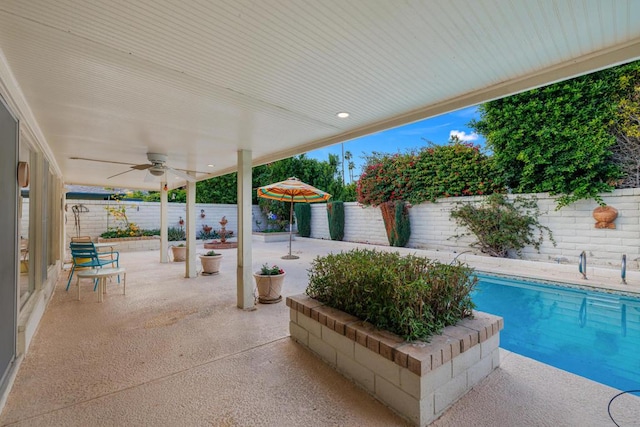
point(101, 161)
point(118, 174)
point(187, 171)
point(180, 174)
point(142, 167)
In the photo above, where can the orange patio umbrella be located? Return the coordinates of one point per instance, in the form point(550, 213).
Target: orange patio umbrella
point(294, 191)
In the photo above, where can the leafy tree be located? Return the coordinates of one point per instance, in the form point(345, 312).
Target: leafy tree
point(321, 174)
point(348, 193)
point(456, 169)
point(222, 189)
point(558, 138)
point(626, 153)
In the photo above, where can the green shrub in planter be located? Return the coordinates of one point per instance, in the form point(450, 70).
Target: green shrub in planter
point(335, 213)
point(411, 296)
point(303, 218)
point(175, 234)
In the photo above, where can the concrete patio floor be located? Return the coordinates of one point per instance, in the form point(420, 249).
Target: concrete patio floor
point(177, 352)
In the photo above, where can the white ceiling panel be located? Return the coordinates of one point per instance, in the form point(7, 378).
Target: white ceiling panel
point(200, 80)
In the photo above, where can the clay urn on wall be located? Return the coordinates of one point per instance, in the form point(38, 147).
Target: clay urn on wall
point(605, 215)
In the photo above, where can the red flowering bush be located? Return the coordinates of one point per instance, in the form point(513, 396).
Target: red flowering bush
point(456, 169)
point(383, 179)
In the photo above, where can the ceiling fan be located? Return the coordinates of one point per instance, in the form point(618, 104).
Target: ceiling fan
point(156, 166)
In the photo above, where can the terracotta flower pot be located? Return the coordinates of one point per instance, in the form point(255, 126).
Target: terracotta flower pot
point(269, 287)
point(211, 263)
point(605, 215)
point(179, 253)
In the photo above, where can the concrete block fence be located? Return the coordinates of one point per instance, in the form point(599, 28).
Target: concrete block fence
point(573, 228)
point(92, 219)
point(431, 228)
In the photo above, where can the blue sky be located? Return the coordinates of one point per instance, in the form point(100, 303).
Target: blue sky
point(437, 130)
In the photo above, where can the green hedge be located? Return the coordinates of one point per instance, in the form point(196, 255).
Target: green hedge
point(411, 296)
point(396, 223)
point(335, 213)
point(303, 218)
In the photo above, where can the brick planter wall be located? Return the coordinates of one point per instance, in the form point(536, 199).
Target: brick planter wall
point(417, 380)
point(133, 244)
point(274, 237)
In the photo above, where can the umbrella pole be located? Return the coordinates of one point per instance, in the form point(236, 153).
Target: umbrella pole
point(290, 226)
point(290, 233)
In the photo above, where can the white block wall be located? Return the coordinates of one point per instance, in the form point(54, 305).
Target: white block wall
point(362, 224)
point(431, 227)
point(93, 218)
point(572, 227)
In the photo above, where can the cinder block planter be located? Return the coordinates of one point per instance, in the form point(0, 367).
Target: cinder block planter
point(273, 237)
point(133, 244)
point(417, 380)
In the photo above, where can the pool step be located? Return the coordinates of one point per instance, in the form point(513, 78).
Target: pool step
point(605, 301)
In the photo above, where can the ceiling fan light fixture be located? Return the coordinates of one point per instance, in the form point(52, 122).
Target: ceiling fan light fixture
point(156, 172)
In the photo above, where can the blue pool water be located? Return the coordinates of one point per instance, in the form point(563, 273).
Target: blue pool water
point(592, 334)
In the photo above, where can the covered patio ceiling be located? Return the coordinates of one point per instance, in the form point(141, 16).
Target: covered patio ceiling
point(200, 80)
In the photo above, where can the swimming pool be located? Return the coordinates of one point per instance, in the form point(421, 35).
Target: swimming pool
point(592, 334)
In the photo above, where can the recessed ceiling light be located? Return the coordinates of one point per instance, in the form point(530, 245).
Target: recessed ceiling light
point(210, 166)
point(342, 114)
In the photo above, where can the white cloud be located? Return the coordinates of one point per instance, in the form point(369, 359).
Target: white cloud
point(463, 136)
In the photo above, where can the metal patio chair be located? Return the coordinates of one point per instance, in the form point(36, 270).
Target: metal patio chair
point(85, 255)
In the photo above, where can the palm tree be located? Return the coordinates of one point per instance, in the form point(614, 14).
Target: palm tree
point(347, 157)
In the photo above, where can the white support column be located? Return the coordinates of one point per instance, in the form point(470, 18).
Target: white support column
point(244, 274)
point(37, 218)
point(164, 223)
point(190, 265)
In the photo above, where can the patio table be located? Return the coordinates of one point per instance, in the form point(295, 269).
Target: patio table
point(102, 274)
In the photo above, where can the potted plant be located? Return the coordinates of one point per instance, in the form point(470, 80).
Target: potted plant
point(211, 262)
point(269, 281)
point(179, 252)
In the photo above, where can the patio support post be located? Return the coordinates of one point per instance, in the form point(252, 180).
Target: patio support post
point(164, 223)
point(244, 274)
point(190, 265)
point(37, 220)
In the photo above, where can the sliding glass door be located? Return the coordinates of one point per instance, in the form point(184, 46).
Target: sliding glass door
point(9, 247)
